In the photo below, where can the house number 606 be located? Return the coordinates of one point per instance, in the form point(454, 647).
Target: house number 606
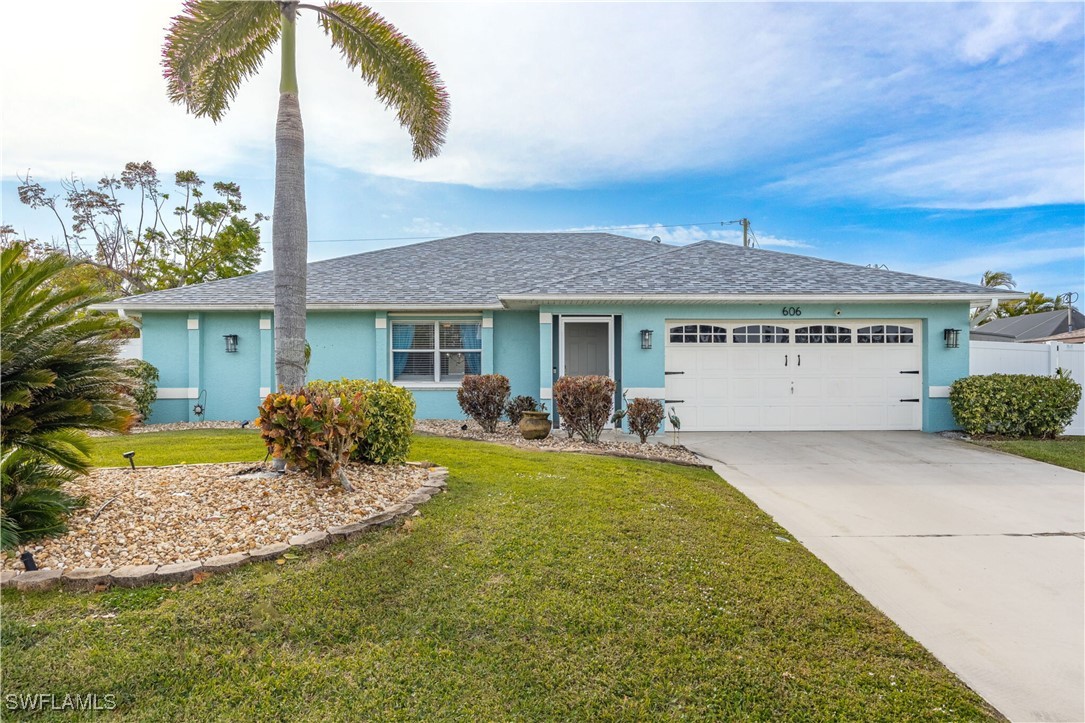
point(792, 311)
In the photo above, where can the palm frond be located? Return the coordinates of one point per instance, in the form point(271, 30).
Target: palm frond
point(33, 503)
point(404, 78)
point(212, 47)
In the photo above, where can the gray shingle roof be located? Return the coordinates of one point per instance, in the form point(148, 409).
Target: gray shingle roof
point(1029, 326)
point(708, 267)
point(478, 269)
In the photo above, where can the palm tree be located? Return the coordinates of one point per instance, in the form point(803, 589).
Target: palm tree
point(59, 375)
point(214, 45)
point(1036, 303)
point(998, 279)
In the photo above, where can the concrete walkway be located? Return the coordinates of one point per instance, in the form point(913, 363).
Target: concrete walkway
point(978, 555)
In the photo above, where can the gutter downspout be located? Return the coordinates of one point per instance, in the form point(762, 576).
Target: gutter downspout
point(133, 320)
point(985, 314)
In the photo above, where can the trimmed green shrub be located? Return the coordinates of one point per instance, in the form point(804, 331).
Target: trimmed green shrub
point(145, 389)
point(1014, 405)
point(515, 409)
point(584, 405)
point(313, 431)
point(645, 416)
point(389, 412)
point(482, 397)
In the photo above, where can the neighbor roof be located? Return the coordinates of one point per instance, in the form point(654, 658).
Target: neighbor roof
point(491, 270)
point(1027, 327)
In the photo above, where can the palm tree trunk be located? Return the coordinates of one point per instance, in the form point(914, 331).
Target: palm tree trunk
point(289, 230)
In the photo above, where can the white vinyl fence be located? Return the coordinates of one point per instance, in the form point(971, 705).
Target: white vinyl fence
point(1000, 357)
point(131, 348)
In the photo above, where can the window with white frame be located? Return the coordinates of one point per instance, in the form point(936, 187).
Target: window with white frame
point(436, 351)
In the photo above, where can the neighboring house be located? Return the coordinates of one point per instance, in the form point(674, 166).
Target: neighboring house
point(732, 338)
point(1029, 327)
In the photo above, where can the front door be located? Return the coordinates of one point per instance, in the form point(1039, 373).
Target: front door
point(587, 348)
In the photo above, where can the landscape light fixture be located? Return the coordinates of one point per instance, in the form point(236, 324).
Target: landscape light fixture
point(645, 338)
point(231, 343)
point(952, 338)
point(130, 456)
point(28, 561)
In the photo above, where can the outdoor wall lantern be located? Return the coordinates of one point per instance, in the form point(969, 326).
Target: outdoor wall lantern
point(952, 337)
point(231, 342)
point(645, 338)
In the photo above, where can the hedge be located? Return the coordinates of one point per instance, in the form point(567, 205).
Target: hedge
point(1014, 405)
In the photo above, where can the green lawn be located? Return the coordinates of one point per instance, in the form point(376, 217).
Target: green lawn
point(186, 447)
point(1066, 452)
point(541, 586)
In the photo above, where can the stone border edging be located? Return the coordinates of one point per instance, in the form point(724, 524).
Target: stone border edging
point(91, 579)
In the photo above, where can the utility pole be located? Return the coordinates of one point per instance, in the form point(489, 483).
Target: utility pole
point(745, 232)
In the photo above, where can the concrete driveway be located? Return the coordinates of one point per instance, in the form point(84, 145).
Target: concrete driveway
point(978, 555)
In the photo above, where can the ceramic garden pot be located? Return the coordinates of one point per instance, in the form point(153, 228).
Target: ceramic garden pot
point(535, 425)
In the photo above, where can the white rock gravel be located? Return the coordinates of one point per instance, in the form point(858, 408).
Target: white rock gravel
point(163, 515)
point(175, 427)
point(558, 441)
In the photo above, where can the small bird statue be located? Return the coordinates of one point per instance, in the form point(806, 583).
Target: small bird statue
point(676, 424)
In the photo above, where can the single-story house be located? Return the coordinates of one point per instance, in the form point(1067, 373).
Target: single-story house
point(731, 338)
point(1029, 327)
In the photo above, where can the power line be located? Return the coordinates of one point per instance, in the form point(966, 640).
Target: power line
point(603, 228)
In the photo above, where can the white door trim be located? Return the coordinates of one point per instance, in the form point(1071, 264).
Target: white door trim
point(608, 320)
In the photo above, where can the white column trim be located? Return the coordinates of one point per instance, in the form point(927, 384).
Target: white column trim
point(264, 391)
point(545, 317)
point(178, 393)
point(487, 322)
point(546, 393)
point(265, 325)
point(193, 324)
point(938, 392)
point(381, 322)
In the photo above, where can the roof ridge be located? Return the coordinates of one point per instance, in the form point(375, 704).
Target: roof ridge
point(620, 264)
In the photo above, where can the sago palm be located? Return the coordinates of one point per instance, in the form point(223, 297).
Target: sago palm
point(213, 46)
point(59, 376)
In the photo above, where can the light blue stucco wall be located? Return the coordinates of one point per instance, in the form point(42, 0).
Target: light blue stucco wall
point(343, 344)
point(516, 350)
point(519, 345)
point(231, 379)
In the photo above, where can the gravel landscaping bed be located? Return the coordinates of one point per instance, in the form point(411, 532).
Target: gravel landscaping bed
point(558, 441)
point(173, 427)
point(163, 515)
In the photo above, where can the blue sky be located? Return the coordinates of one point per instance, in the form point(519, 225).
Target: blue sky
point(933, 138)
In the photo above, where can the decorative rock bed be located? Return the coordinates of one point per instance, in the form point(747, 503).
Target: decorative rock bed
point(559, 441)
point(168, 501)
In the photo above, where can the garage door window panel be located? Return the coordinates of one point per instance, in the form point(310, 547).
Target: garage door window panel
point(761, 334)
point(698, 334)
point(823, 334)
point(885, 334)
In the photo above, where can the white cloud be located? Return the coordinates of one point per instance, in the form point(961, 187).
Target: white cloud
point(683, 235)
point(552, 94)
point(1026, 259)
point(1009, 29)
point(990, 170)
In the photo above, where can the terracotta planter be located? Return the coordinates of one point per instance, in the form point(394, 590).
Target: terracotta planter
point(535, 425)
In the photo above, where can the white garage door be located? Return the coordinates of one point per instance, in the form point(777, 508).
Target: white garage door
point(760, 375)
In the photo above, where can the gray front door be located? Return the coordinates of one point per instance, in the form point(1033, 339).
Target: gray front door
point(587, 348)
